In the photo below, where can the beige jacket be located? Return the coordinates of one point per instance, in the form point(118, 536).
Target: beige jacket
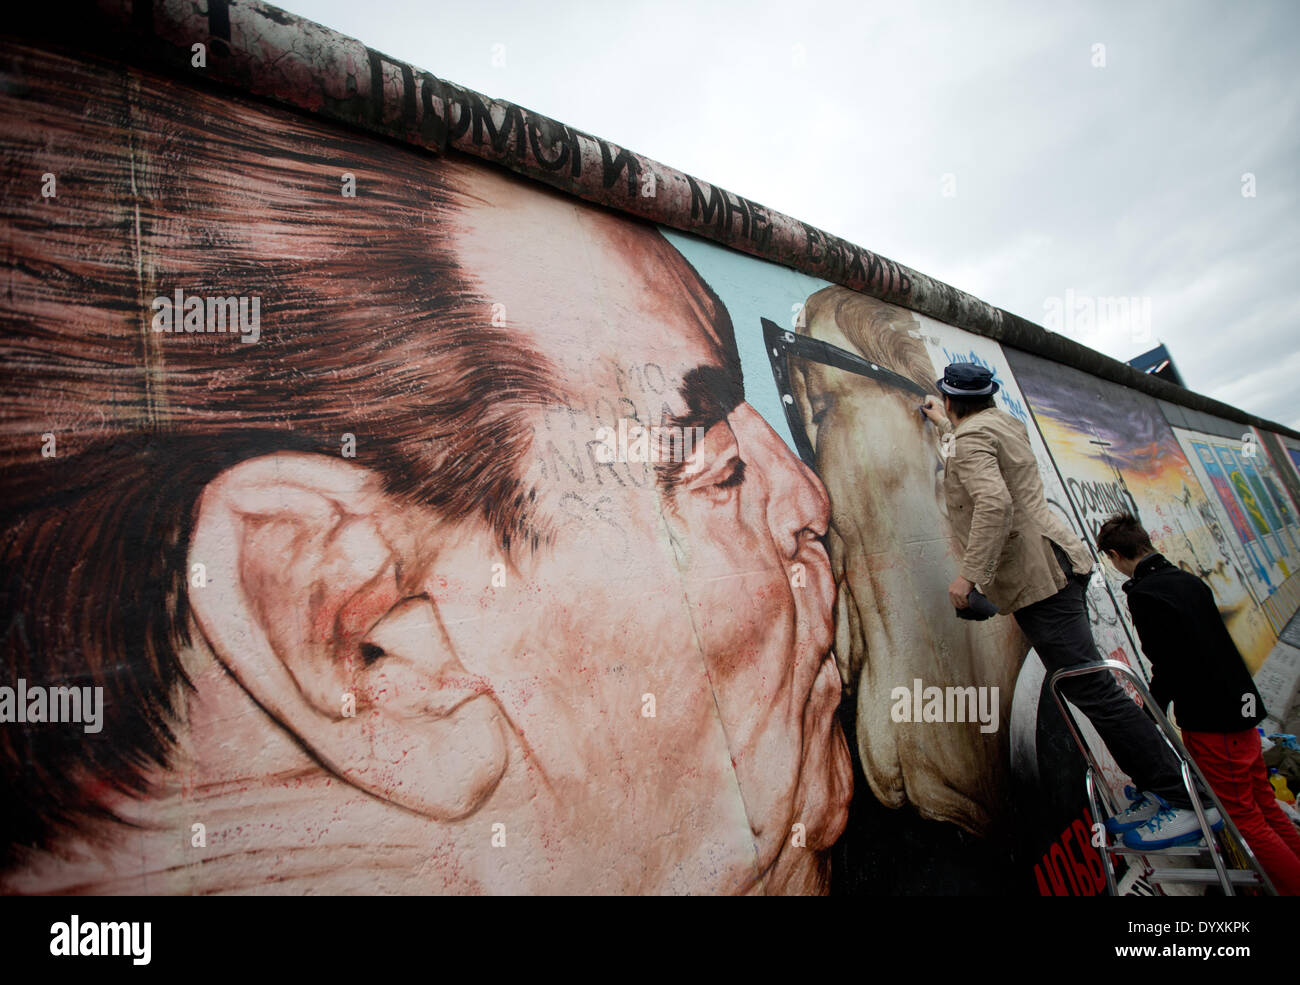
point(998, 511)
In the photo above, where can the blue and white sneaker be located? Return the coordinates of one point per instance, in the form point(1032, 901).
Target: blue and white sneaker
point(1141, 809)
point(1170, 828)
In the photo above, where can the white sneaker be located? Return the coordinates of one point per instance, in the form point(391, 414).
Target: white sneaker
point(1141, 809)
point(1170, 828)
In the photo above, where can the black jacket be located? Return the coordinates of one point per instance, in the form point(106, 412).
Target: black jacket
point(1197, 665)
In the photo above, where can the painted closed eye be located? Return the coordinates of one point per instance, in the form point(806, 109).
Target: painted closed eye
point(715, 471)
point(820, 408)
point(735, 476)
point(721, 491)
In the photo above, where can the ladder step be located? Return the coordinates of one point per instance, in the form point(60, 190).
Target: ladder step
point(1239, 877)
point(1180, 850)
point(1102, 800)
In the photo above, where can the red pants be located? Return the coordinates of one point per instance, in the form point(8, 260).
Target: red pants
point(1234, 765)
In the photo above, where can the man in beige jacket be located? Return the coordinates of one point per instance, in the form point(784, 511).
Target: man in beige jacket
point(1029, 563)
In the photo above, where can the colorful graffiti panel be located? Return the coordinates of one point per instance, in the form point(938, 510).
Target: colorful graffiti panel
point(1255, 507)
point(1284, 467)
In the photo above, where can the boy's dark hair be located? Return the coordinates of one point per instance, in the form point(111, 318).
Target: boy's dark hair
point(1124, 534)
point(963, 407)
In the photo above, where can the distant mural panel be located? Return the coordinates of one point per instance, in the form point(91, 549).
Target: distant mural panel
point(1117, 452)
point(1284, 465)
point(1256, 512)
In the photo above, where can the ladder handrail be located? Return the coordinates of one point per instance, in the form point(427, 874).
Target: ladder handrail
point(1188, 768)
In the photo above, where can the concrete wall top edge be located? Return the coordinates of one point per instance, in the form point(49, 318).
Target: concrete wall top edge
point(266, 52)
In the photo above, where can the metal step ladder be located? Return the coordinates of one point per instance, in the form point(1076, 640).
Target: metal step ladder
point(1101, 799)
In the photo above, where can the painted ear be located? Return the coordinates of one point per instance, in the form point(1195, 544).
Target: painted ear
point(302, 605)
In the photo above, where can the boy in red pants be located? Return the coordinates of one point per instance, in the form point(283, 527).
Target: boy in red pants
point(1198, 667)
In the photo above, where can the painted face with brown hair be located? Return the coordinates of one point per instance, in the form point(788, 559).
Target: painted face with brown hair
point(639, 693)
point(700, 586)
point(636, 696)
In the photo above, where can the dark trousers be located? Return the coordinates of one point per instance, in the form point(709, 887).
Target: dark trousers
point(1058, 629)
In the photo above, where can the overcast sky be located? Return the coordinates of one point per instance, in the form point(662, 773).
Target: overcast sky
point(984, 144)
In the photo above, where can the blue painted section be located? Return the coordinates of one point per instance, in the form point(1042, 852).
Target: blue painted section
point(751, 289)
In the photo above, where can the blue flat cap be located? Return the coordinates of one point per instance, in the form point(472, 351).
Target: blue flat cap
point(967, 380)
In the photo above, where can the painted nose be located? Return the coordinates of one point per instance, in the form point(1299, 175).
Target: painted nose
point(797, 504)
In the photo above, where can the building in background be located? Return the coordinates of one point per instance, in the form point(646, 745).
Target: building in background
point(1158, 362)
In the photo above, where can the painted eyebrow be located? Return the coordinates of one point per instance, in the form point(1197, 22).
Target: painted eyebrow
point(711, 393)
